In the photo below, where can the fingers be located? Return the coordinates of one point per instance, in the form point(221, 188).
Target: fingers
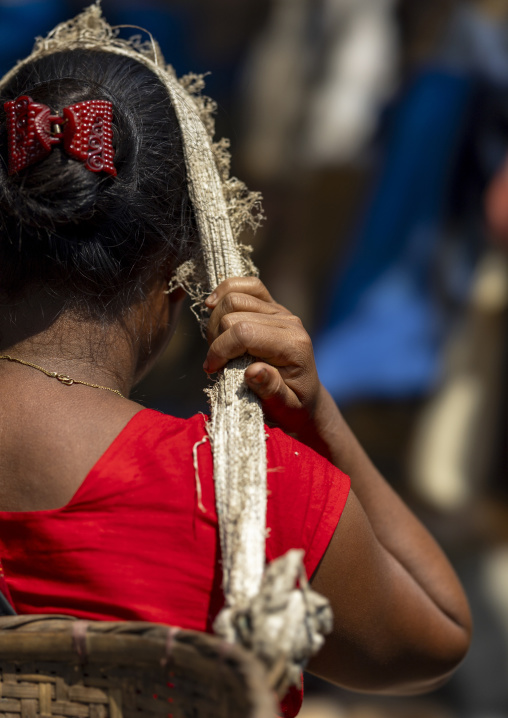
point(241, 295)
point(235, 303)
point(246, 320)
point(267, 383)
point(240, 307)
point(279, 341)
point(242, 285)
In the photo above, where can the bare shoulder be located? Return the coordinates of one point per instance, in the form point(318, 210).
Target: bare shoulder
point(49, 447)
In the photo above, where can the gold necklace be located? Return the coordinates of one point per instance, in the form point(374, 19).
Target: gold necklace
point(62, 378)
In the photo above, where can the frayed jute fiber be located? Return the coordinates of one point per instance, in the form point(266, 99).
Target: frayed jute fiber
point(270, 610)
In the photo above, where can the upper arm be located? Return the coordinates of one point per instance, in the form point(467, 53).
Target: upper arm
point(389, 635)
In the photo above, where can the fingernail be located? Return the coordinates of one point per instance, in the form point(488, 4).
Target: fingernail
point(260, 377)
point(212, 299)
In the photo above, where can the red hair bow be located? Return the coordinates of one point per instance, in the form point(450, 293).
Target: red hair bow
point(84, 130)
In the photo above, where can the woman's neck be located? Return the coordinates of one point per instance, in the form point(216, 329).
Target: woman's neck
point(39, 331)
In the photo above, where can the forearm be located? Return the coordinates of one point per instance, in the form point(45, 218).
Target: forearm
point(389, 636)
point(393, 633)
point(396, 528)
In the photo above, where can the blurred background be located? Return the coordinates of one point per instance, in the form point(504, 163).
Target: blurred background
point(377, 131)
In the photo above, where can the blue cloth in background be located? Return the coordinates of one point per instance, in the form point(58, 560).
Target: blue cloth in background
point(172, 25)
point(21, 22)
point(385, 326)
point(174, 28)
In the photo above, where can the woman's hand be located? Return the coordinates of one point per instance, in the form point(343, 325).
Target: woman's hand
point(245, 319)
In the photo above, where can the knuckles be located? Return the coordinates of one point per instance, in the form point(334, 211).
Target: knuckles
point(295, 320)
point(225, 323)
point(302, 348)
point(234, 302)
point(241, 284)
point(243, 332)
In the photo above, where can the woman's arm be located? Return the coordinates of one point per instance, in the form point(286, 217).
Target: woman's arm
point(402, 622)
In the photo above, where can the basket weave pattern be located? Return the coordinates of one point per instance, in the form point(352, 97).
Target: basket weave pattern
point(65, 668)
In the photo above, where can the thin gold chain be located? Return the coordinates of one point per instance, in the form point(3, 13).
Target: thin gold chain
point(62, 378)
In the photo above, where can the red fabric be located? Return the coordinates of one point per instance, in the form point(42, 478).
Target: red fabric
point(132, 543)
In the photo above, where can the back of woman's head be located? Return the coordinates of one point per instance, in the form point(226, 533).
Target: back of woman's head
point(94, 240)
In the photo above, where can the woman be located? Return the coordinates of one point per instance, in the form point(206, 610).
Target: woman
point(101, 517)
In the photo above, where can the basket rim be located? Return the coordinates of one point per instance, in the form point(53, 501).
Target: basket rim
point(134, 645)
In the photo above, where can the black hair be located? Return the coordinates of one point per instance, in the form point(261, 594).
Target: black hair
point(94, 240)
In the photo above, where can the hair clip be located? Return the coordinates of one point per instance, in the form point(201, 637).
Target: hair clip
point(84, 130)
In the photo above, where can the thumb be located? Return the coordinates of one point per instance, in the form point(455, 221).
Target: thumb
point(267, 383)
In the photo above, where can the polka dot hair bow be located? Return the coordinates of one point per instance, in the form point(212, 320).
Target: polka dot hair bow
point(84, 130)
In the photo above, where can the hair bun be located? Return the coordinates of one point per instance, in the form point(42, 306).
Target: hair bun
point(94, 238)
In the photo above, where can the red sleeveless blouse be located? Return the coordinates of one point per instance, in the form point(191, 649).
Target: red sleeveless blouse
point(133, 543)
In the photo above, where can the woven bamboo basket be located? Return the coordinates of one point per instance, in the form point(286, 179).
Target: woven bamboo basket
point(63, 667)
